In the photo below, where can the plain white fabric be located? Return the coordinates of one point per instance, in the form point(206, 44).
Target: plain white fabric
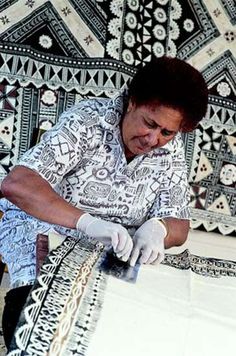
point(168, 312)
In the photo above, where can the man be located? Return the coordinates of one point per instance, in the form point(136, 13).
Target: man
point(111, 169)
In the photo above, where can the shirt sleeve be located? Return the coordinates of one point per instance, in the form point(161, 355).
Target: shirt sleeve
point(172, 199)
point(60, 149)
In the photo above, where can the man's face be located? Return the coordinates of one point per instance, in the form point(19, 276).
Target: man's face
point(146, 127)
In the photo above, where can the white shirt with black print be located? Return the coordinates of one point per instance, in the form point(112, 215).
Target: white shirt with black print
point(82, 157)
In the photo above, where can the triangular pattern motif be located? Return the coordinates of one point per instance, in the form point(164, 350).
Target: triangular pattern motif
point(204, 168)
point(6, 130)
point(4, 163)
point(231, 120)
point(220, 205)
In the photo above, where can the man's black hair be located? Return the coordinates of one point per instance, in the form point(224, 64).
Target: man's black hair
point(173, 83)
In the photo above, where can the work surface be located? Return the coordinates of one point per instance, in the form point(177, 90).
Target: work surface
point(184, 307)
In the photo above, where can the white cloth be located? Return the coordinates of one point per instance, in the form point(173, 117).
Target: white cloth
point(168, 312)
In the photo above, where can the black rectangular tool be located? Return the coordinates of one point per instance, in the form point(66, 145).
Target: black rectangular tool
point(113, 266)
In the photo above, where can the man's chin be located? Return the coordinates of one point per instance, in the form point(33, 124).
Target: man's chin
point(142, 150)
point(137, 150)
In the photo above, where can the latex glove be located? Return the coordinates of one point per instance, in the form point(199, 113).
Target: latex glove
point(149, 243)
point(108, 233)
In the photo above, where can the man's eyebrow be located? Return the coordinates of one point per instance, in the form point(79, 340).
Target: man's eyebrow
point(172, 131)
point(162, 128)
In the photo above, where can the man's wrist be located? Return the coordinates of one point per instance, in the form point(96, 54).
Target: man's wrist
point(161, 224)
point(84, 221)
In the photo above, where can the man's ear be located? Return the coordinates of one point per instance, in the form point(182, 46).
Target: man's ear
point(131, 105)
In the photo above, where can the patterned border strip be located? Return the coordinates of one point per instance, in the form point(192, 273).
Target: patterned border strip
point(49, 304)
point(38, 295)
point(93, 16)
point(5, 4)
point(220, 218)
point(211, 220)
point(88, 314)
point(29, 66)
point(204, 266)
point(72, 306)
point(225, 61)
point(229, 7)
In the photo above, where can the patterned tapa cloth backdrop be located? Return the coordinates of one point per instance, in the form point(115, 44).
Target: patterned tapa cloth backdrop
point(53, 53)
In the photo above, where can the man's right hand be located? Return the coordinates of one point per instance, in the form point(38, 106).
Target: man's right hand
point(108, 233)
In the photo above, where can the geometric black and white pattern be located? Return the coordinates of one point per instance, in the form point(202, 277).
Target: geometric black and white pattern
point(53, 53)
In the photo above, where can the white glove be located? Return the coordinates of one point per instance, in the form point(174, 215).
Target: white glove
point(149, 243)
point(108, 233)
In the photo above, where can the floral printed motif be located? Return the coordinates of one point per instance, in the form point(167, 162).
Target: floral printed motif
point(113, 48)
point(129, 39)
point(223, 89)
point(133, 4)
point(176, 10)
point(49, 97)
point(116, 7)
point(114, 27)
point(228, 174)
point(158, 49)
point(128, 57)
point(159, 32)
point(188, 25)
point(160, 15)
point(45, 41)
point(131, 20)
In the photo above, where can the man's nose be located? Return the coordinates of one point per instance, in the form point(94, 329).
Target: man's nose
point(154, 137)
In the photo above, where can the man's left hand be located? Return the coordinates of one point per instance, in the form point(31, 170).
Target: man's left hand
point(149, 243)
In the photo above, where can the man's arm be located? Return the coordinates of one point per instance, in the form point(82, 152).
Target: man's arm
point(33, 194)
point(177, 232)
